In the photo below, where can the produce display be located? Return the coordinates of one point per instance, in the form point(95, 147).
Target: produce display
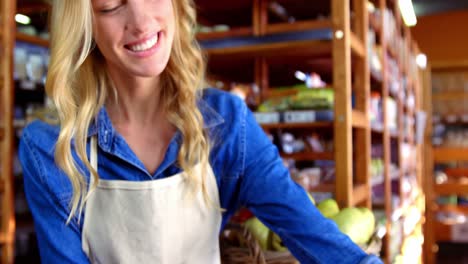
point(356, 222)
point(305, 98)
point(328, 208)
point(266, 238)
point(259, 231)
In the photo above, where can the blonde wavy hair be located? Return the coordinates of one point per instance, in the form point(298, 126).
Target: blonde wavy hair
point(79, 86)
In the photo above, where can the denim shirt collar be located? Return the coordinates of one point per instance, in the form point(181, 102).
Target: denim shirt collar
point(102, 125)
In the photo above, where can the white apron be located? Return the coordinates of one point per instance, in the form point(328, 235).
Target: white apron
point(150, 221)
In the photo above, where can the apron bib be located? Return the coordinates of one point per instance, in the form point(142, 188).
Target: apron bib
point(150, 221)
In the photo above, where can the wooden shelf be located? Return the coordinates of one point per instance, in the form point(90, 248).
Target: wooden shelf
point(308, 48)
point(297, 125)
point(235, 32)
point(298, 26)
point(32, 40)
point(443, 232)
point(447, 96)
point(360, 194)
point(463, 209)
point(324, 187)
point(451, 188)
point(310, 43)
point(450, 154)
point(357, 46)
point(456, 172)
point(360, 119)
point(309, 156)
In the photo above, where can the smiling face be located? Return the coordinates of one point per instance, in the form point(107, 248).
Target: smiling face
point(134, 36)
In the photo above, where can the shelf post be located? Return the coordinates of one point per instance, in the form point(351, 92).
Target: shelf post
point(386, 141)
point(261, 77)
point(7, 37)
point(343, 108)
point(429, 245)
point(260, 17)
point(362, 95)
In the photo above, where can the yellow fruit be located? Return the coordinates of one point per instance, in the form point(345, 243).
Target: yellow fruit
point(277, 244)
point(259, 231)
point(328, 208)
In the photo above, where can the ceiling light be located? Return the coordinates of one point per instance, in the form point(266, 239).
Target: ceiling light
point(22, 19)
point(421, 60)
point(407, 12)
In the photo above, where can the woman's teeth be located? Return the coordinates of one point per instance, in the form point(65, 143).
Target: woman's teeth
point(145, 45)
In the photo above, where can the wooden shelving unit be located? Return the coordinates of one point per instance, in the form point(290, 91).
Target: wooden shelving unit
point(304, 156)
point(272, 43)
point(32, 40)
point(13, 225)
point(257, 44)
point(340, 44)
point(409, 82)
point(7, 224)
point(450, 154)
point(436, 229)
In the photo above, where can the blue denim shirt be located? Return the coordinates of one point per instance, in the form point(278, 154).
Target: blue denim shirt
point(248, 169)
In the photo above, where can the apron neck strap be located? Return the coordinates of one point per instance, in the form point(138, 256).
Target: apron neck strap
point(93, 158)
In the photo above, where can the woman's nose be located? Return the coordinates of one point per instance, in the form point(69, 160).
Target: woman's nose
point(138, 19)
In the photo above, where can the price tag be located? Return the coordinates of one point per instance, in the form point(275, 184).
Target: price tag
point(299, 116)
point(267, 118)
point(460, 232)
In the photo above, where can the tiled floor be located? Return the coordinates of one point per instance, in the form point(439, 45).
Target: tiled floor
point(452, 254)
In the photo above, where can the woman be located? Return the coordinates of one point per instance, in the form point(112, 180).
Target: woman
point(146, 166)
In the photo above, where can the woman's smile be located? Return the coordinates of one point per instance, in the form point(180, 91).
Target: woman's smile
point(145, 47)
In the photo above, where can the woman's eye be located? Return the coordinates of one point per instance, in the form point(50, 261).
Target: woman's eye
point(109, 10)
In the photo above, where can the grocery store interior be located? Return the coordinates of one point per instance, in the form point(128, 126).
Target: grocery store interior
point(365, 100)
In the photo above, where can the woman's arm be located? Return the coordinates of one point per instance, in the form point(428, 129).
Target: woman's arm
point(268, 190)
point(58, 242)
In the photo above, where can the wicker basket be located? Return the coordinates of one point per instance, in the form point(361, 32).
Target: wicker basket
point(374, 245)
point(238, 246)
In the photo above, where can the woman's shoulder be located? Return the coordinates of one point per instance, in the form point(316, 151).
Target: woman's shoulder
point(40, 135)
point(36, 153)
point(224, 103)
